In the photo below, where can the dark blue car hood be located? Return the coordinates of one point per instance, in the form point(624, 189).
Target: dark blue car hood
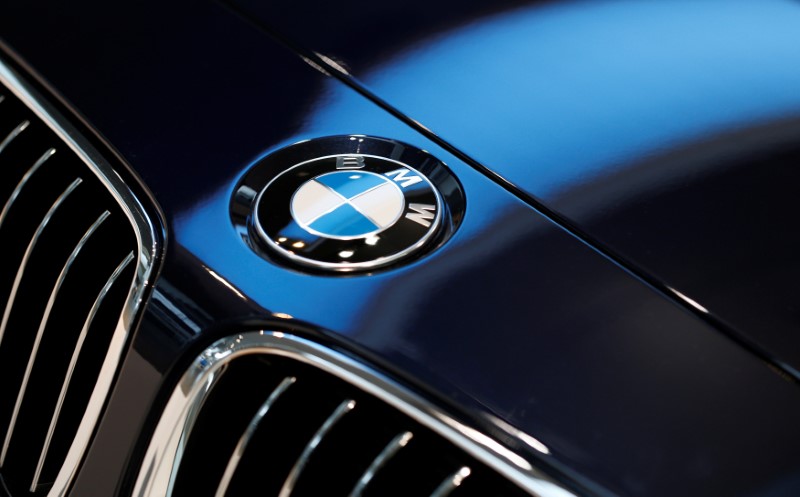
point(664, 132)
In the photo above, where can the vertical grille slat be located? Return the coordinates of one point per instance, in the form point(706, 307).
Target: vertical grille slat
point(452, 482)
point(71, 367)
point(14, 133)
point(68, 304)
point(388, 452)
point(45, 317)
point(291, 480)
point(247, 436)
point(17, 189)
point(24, 264)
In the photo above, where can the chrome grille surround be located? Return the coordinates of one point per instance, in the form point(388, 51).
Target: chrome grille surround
point(166, 450)
point(142, 256)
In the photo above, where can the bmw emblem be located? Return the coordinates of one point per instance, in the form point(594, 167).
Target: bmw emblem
point(366, 204)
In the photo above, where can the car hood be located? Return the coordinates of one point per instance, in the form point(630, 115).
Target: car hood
point(665, 133)
point(515, 319)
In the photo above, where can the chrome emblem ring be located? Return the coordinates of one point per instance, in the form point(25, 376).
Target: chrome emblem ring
point(352, 211)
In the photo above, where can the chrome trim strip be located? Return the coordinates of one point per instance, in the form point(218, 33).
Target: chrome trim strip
point(35, 167)
point(451, 483)
point(14, 133)
point(244, 441)
point(145, 256)
point(163, 455)
point(338, 413)
point(71, 368)
point(42, 325)
point(24, 263)
point(388, 452)
point(199, 382)
point(190, 417)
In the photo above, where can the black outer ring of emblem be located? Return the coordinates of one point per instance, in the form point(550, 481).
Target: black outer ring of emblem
point(261, 205)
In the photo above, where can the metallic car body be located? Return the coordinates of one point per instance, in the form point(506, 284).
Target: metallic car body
point(569, 305)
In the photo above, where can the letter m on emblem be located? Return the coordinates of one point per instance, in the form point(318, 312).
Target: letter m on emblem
point(421, 213)
point(403, 177)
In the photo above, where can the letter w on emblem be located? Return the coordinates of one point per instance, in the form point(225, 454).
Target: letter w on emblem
point(422, 214)
point(403, 177)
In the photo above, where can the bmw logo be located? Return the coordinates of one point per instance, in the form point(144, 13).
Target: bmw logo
point(369, 206)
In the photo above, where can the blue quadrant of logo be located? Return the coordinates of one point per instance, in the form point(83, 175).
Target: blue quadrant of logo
point(344, 221)
point(351, 183)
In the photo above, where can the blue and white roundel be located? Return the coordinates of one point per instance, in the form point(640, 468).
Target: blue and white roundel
point(349, 211)
point(347, 204)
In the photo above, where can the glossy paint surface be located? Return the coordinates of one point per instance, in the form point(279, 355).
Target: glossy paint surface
point(513, 318)
point(666, 131)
